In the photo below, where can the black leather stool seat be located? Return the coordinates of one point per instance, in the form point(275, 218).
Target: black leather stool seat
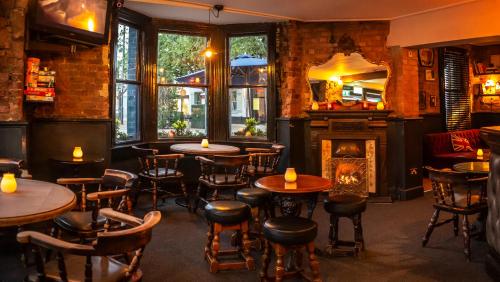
point(227, 212)
point(254, 197)
point(290, 230)
point(345, 204)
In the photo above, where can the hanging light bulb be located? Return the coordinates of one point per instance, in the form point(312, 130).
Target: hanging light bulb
point(208, 52)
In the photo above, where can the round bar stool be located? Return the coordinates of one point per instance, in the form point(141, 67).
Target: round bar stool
point(350, 206)
point(289, 233)
point(259, 201)
point(228, 215)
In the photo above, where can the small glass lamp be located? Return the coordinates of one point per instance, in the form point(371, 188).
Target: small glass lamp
point(77, 153)
point(290, 175)
point(204, 143)
point(480, 153)
point(380, 106)
point(315, 106)
point(8, 183)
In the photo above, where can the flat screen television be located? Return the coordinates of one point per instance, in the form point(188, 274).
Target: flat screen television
point(84, 21)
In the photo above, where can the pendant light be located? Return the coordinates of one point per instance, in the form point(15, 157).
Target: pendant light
point(208, 52)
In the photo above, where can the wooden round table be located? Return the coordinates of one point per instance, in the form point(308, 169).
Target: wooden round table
point(306, 188)
point(473, 167)
point(196, 149)
point(34, 201)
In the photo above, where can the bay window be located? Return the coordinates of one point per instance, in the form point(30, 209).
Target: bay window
point(182, 86)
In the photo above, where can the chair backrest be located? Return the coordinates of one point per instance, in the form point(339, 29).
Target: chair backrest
point(10, 166)
point(446, 184)
point(143, 155)
point(264, 163)
point(163, 165)
point(127, 240)
point(232, 167)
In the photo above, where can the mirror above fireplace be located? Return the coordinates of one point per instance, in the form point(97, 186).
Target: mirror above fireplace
point(348, 79)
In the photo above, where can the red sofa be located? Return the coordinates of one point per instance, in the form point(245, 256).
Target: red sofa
point(439, 153)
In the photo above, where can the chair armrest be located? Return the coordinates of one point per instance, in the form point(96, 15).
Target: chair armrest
point(167, 156)
point(477, 180)
point(107, 194)
point(48, 242)
point(121, 217)
point(204, 160)
point(74, 181)
point(258, 150)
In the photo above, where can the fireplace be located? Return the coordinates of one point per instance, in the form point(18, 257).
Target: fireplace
point(350, 164)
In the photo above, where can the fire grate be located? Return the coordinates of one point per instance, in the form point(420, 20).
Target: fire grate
point(348, 175)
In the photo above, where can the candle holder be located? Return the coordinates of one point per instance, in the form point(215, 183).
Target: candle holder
point(290, 175)
point(77, 153)
point(204, 143)
point(315, 106)
point(480, 154)
point(380, 106)
point(8, 183)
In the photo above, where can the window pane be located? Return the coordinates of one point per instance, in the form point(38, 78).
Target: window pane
point(126, 52)
point(248, 60)
point(180, 60)
point(127, 112)
point(248, 107)
point(182, 111)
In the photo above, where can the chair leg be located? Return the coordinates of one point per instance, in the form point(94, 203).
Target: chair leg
point(185, 193)
point(313, 262)
point(430, 227)
point(455, 224)
point(155, 195)
point(466, 234)
point(197, 198)
point(265, 262)
point(137, 192)
point(280, 262)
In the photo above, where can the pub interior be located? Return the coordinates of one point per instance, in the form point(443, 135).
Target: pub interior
point(145, 140)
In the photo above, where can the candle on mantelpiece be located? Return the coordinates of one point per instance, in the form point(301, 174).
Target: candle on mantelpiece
point(290, 175)
point(8, 183)
point(380, 106)
point(315, 106)
point(480, 153)
point(204, 143)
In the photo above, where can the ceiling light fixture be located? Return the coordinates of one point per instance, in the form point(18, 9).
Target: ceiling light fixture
point(208, 52)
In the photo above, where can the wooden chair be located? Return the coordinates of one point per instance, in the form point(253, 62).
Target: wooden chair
point(219, 174)
point(277, 148)
point(76, 262)
point(262, 164)
point(112, 192)
point(160, 170)
point(10, 166)
point(458, 194)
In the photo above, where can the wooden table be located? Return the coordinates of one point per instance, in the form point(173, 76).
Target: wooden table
point(196, 149)
point(473, 167)
point(34, 201)
point(306, 188)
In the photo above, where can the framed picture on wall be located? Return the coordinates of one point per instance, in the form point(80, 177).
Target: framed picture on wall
point(426, 57)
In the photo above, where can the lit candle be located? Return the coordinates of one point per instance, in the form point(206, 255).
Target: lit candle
point(204, 143)
point(315, 106)
point(480, 153)
point(290, 175)
point(380, 106)
point(8, 183)
point(77, 153)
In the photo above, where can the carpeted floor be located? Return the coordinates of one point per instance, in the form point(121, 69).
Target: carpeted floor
point(393, 249)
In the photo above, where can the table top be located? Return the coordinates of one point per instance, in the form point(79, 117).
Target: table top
point(82, 161)
point(196, 149)
point(304, 184)
point(34, 201)
point(473, 167)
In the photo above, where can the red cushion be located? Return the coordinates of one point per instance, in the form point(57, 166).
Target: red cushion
point(460, 144)
point(439, 143)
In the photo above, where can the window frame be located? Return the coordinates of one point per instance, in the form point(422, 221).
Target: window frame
point(241, 30)
point(207, 85)
point(136, 21)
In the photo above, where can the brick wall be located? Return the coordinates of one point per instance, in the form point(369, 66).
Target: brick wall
point(302, 45)
point(12, 25)
point(82, 81)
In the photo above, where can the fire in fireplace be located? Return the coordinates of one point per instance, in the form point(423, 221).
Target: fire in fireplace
point(347, 164)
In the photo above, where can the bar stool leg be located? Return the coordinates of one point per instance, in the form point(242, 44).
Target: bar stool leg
point(215, 248)
point(210, 236)
point(246, 246)
point(313, 262)
point(280, 262)
point(265, 262)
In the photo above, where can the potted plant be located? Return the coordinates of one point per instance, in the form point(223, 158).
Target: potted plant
point(180, 127)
